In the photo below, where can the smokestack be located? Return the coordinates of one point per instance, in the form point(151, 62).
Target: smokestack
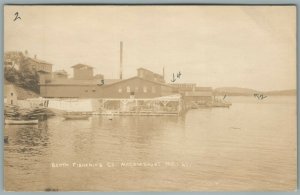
point(121, 60)
point(163, 72)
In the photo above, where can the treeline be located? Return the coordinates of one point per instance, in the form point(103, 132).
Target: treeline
point(24, 78)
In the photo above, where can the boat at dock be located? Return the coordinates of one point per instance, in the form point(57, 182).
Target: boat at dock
point(75, 116)
point(21, 122)
point(219, 103)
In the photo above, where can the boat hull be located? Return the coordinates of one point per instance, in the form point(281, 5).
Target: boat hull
point(76, 117)
point(21, 122)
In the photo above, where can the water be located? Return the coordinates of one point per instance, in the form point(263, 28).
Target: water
point(250, 146)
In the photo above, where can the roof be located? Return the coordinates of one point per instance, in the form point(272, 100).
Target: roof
point(13, 53)
point(136, 77)
point(184, 85)
point(43, 72)
point(39, 61)
point(81, 65)
point(150, 71)
point(62, 72)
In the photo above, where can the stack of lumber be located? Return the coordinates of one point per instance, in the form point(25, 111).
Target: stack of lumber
point(17, 113)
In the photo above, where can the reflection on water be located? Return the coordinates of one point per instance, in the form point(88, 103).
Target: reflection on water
point(250, 146)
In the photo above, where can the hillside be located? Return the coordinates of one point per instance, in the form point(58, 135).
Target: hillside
point(21, 92)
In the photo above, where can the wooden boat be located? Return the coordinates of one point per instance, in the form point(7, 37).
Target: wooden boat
point(219, 103)
point(21, 122)
point(75, 116)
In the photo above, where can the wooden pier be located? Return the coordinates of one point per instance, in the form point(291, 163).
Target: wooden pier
point(166, 105)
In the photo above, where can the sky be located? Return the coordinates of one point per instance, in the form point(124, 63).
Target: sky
point(213, 46)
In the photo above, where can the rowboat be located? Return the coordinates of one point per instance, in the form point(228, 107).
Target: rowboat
point(21, 122)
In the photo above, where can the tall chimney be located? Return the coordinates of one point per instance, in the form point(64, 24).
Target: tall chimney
point(163, 72)
point(121, 60)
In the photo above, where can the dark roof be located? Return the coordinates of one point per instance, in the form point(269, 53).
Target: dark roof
point(136, 77)
point(43, 72)
point(81, 65)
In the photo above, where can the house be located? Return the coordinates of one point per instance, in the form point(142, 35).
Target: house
point(14, 95)
point(13, 59)
point(10, 94)
point(60, 74)
point(34, 64)
point(149, 75)
point(83, 72)
point(201, 95)
point(183, 87)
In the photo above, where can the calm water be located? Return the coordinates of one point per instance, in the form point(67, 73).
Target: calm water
point(250, 146)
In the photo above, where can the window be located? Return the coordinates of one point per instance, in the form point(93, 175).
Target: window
point(94, 90)
point(86, 91)
point(128, 89)
point(145, 89)
point(12, 94)
point(11, 102)
point(153, 89)
point(120, 90)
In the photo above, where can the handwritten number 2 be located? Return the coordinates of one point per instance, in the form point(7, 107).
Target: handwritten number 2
point(17, 16)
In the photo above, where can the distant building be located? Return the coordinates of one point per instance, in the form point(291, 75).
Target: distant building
point(14, 94)
point(83, 72)
point(149, 75)
point(34, 64)
point(60, 74)
point(201, 95)
point(20, 61)
point(10, 94)
point(183, 87)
